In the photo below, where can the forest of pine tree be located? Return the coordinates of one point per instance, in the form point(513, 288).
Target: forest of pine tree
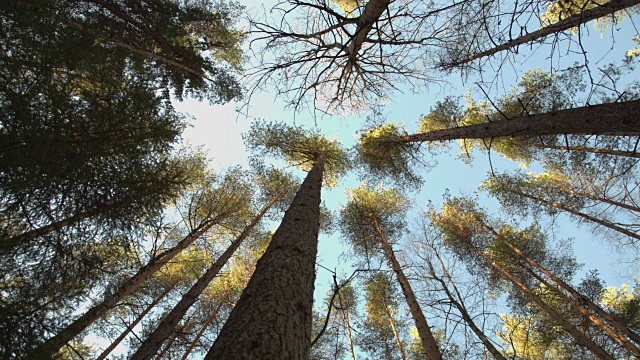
point(121, 238)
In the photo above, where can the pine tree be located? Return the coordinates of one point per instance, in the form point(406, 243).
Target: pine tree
point(275, 309)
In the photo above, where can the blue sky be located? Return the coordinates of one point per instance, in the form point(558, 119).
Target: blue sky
point(218, 129)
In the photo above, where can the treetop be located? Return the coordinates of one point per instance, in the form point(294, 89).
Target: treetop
point(298, 147)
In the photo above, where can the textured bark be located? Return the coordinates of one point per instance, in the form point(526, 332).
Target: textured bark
point(55, 343)
point(347, 324)
point(428, 341)
point(633, 154)
point(619, 119)
point(272, 319)
point(395, 331)
point(130, 327)
point(580, 214)
point(463, 311)
point(581, 299)
point(372, 12)
point(565, 24)
point(580, 337)
point(167, 326)
point(10, 243)
point(206, 324)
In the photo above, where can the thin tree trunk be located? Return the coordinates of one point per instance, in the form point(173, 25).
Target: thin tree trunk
point(151, 345)
point(55, 343)
point(395, 331)
point(272, 319)
point(135, 322)
point(595, 320)
point(600, 199)
point(169, 344)
point(605, 119)
point(576, 294)
point(388, 351)
point(463, 310)
point(633, 154)
point(173, 338)
point(10, 243)
point(347, 323)
point(580, 337)
point(202, 330)
point(580, 214)
point(428, 341)
point(568, 23)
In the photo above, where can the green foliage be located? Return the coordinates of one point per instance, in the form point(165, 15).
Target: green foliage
point(176, 45)
point(276, 183)
point(508, 188)
point(464, 225)
point(380, 294)
point(75, 351)
point(385, 158)
point(348, 298)
point(562, 9)
point(624, 304)
point(387, 205)
point(348, 6)
point(444, 115)
point(299, 147)
point(381, 308)
point(537, 92)
point(531, 334)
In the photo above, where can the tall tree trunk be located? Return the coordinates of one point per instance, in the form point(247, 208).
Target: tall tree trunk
point(600, 199)
point(428, 341)
point(10, 243)
point(580, 337)
point(387, 351)
point(173, 338)
point(604, 223)
point(168, 346)
point(272, 319)
point(347, 323)
point(605, 119)
point(55, 343)
point(206, 324)
point(135, 322)
point(565, 24)
point(633, 154)
point(372, 12)
point(395, 331)
point(575, 293)
point(458, 303)
point(151, 345)
point(584, 312)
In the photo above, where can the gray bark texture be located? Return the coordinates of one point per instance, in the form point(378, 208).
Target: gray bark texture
point(10, 243)
point(111, 299)
point(427, 340)
point(605, 119)
point(130, 327)
point(569, 327)
point(168, 325)
point(272, 319)
point(564, 24)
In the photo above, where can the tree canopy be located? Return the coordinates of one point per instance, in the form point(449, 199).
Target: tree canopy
point(121, 238)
